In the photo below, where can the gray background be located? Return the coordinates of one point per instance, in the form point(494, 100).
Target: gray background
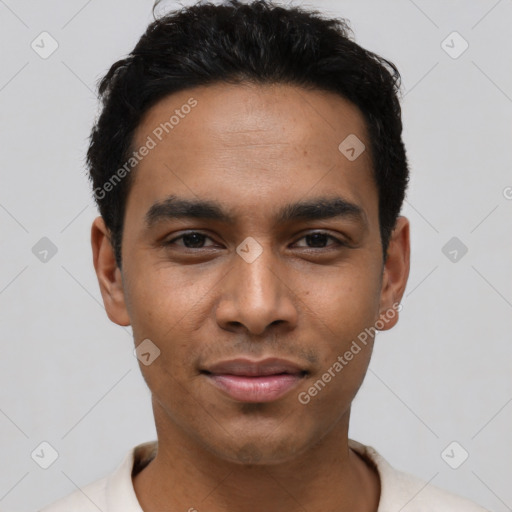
point(68, 375)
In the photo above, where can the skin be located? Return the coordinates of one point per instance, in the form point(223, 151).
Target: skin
point(253, 149)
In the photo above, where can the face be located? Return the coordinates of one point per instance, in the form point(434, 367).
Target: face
point(252, 261)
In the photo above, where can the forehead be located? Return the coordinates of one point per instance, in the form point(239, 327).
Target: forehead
point(293, 113)
point(253, 145)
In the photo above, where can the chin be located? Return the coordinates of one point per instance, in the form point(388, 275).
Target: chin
point(261, 450)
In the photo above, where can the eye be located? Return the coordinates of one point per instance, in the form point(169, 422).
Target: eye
point(191, 240)
point(196, 240)
point(318, 240)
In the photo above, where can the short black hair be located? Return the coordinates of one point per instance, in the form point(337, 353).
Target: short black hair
point(257, 42)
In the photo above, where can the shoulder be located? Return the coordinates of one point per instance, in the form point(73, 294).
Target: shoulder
point(406, 492)
point(112, 493)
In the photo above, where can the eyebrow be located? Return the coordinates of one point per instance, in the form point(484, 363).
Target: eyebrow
point(319, 208)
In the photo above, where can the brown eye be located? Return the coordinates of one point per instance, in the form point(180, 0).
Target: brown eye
point(192, 240)
point(319, 240)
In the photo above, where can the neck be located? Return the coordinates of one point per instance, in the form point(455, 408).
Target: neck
point(185, 476)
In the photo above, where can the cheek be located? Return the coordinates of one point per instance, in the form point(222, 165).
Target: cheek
point(164, 301)
point(346, 302)
point(166, 306)
point(344, 316)
point(344, 311)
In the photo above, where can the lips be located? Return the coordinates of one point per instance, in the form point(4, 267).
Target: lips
point(245, 380)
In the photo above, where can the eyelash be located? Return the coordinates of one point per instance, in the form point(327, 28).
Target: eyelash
point(337, 241)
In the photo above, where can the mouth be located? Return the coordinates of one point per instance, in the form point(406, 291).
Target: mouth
point(244, 380)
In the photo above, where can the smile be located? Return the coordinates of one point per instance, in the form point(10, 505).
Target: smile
point(255, 381)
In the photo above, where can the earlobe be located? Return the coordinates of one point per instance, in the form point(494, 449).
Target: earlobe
point(108, 273)
point(395, 275)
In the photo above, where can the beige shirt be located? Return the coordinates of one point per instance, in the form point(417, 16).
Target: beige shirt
point(399, 491)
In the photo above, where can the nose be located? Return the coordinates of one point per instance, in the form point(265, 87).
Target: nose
point(256, 297)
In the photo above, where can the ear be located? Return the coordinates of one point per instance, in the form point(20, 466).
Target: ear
point(395, 275)
point(108, 273)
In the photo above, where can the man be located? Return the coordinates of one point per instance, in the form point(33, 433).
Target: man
point(249, 170)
